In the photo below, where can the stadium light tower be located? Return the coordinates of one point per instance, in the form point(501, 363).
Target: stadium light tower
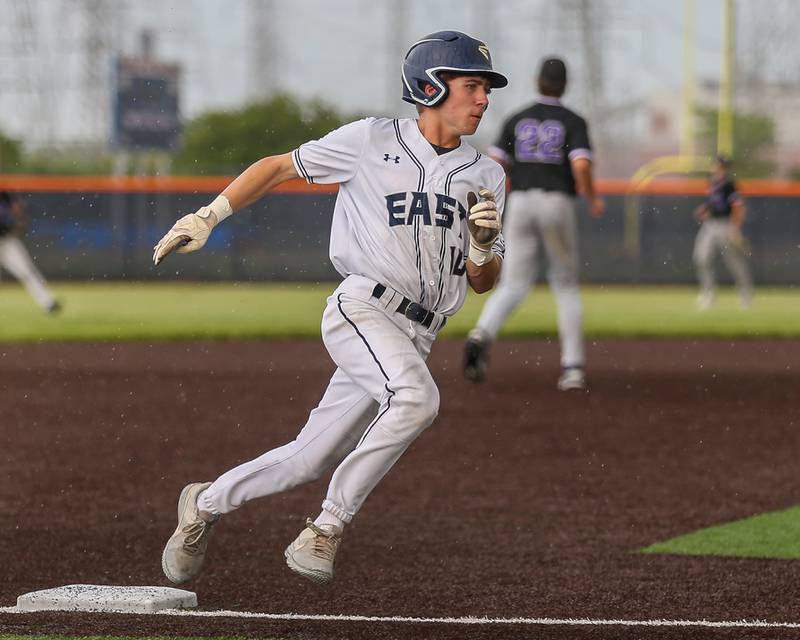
point(265, 48)
point(396, 29)
point(99, 20)
point(725, 119)
point(592, 23)
point(688, 83)
point(30, 81)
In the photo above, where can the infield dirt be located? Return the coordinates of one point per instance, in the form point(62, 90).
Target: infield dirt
point(520, 500)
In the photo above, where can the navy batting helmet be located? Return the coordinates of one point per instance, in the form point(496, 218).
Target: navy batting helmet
point(445, 51)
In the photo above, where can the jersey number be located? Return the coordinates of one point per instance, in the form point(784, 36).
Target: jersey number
point(539, 141)
point(458, 265)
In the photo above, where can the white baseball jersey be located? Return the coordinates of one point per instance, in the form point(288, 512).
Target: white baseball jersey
point(400, 215)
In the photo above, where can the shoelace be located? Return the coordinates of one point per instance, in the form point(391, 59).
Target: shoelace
point(195, 533)
point(325, 542)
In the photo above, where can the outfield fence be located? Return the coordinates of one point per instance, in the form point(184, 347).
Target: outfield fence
point(105, 228)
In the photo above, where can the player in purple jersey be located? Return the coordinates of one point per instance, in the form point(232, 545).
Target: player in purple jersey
point(546, 151)
point(721, 218)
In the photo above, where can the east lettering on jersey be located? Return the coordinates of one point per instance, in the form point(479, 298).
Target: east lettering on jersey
point(405, 206)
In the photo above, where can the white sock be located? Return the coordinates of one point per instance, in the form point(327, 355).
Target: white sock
point(326, 517)
point(204, 505)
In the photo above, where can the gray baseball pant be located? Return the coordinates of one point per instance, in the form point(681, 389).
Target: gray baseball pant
point(713, 237)
point(540, 218)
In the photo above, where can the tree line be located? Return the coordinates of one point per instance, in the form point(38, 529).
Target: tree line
point(226, 142)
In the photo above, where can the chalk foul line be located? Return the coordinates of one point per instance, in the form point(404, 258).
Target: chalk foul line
point(468, 620)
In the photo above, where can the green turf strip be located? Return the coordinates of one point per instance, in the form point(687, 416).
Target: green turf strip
point(769, 535)
point(187, 310)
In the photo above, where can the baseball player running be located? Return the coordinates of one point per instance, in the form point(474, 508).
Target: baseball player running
point(546, 151)
point(721, 219)
point(14, 257)
point(417, 218)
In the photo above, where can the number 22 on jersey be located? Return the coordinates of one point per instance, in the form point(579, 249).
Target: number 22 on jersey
point(539, 141)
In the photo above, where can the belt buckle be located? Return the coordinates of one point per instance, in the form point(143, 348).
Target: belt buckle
point(415, 312)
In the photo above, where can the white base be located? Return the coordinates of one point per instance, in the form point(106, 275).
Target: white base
point(98, 598)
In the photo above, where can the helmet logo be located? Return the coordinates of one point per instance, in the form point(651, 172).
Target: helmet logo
point(484, 50)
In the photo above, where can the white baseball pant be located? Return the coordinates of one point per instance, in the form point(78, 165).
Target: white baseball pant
point(533, 218)
point(14, 257)
point(380, 398)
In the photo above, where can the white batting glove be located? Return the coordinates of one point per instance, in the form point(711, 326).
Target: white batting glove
point(484, 226)
point(191, 232)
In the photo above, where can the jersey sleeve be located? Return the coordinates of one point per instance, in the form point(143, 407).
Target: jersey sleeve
point(578, 140)
point(499, 246)
point(503, 149)
point(733, 194)
point(335, 157)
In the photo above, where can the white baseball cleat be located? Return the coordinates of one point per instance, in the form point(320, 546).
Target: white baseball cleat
point(186, 549)
point(745, 301)
point(313, 552)
point(572, 379)
point(705, 301)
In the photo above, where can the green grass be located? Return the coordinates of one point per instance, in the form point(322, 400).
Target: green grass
point(769, 535)
point(170, 311)
point(667, 311)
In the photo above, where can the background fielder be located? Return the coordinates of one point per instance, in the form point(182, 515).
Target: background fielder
point(406, 245)
point(14, 257)
point(546, 151)
point(721, 218)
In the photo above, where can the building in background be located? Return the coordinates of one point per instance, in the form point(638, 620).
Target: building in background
point(649, 127)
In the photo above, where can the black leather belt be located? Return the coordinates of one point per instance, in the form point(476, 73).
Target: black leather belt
point(411, 310)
